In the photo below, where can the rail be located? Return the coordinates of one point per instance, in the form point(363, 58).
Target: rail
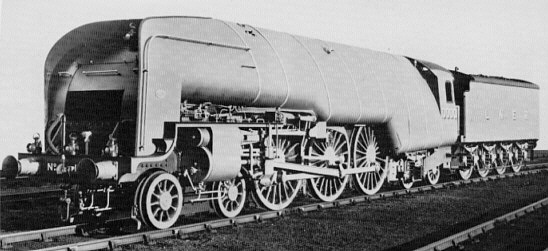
point(454, 240)
point(42, 235)
point(182, 232)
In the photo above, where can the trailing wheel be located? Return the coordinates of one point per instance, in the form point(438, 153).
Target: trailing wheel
point(406, 184)
point(433, 175)
point(231, 197)
point(279, 195)
point(366, 153)
point(160, 200)
point(334, 153)
point(406, 181)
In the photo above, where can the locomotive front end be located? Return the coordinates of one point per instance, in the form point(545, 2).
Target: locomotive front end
point(91, 82)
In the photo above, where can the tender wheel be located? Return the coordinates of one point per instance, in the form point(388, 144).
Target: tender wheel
point(483, 166)
point(336, 150)
point(499, 164)
point(366, 153)
point(483, 170)
point(499, 167)
point(517, 160)
point(161, 200)
point(465, 174)
point(230, 197)
point(433, 175)
point(279, 195)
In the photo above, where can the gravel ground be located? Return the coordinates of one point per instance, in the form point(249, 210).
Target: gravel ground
point(529, 232)
point(392, 224)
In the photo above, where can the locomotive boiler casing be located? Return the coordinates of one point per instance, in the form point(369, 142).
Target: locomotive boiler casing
point(208, 60)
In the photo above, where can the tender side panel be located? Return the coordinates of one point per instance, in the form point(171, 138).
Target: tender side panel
point(500, 113)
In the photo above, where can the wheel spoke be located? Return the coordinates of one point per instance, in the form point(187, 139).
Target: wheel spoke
point(170, 188)
point(285, 190)
point(280, 193)
point(365, 149)
point(157, 187)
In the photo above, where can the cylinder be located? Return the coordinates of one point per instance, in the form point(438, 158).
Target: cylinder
point(194, 137)
point(198, 163)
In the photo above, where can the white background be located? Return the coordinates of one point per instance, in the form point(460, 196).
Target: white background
point(503, 38)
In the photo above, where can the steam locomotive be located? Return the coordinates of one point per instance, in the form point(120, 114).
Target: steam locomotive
point(167, 116)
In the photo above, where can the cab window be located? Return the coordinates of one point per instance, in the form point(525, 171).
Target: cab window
point(449, 92)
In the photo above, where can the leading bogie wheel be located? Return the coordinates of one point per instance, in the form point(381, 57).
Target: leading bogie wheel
point(433, 175)
point(366, 153)
point(279, 195)
point(231, 197)
point(161, 200)
point(335, 150)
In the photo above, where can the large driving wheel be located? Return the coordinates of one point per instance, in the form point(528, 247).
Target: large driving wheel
point(231, 197)
point(332, 153)
point(160, 200)
point(466, 173)
point(279, 195)
point(366, 153)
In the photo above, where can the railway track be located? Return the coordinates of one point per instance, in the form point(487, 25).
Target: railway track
point(471, 233)
point(148, 237)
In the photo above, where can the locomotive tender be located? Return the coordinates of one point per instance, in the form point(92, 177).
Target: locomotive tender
point(177, 115)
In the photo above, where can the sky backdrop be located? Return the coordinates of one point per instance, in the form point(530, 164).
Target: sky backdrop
point(503, 38)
